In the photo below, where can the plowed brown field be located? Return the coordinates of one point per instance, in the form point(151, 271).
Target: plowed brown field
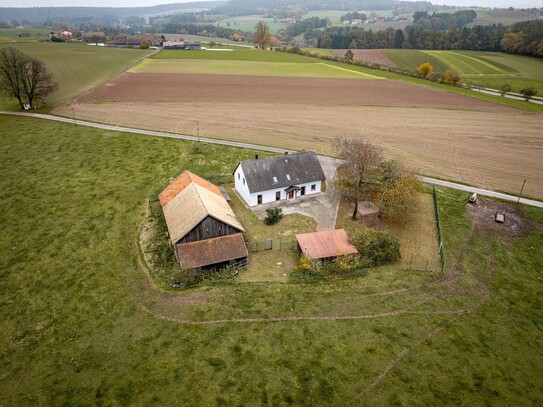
point(316, 91)
point(440, 134)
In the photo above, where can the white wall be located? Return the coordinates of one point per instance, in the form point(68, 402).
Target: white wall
point(241, 186)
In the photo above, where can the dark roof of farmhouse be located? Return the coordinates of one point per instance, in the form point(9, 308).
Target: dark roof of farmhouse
point(282, 171)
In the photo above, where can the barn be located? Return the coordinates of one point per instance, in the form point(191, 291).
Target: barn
point(280, 178)
point(203, 228)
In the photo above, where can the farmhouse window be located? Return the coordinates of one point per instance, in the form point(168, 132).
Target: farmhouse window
point(259, 199)
point(313, 187)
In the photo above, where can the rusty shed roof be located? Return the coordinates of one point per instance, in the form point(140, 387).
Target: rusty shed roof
point(181, 182)
point(212, 251)
point(324, 244)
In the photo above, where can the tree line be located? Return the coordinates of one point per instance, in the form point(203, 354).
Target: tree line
point(523, 38)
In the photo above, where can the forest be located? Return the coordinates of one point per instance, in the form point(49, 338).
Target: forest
point(523, 38)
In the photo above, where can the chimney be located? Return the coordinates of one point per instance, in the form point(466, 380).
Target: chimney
point(256, 156)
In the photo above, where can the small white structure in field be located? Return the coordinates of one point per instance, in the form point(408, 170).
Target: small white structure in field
point(279, 178)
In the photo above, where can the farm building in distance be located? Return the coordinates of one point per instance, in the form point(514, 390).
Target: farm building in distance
point(203, 228)
point(182, 45)
point(325, 245)
point(283, 177)
point(133, 41)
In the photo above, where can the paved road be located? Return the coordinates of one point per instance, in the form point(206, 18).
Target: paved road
point(428, 180)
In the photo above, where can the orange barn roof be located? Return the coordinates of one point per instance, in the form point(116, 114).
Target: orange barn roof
point(181, 182)
point(325, 244)
point(212, 251)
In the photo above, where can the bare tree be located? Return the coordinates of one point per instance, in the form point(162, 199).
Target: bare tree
point(262, 37)
point(11, 62)
point(24, 78)
point(359, 157)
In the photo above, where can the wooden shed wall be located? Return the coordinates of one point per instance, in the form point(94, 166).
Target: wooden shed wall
point(207, 229)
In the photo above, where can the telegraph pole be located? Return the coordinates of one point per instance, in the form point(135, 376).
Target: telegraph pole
point(521, 189)
point(73, 114)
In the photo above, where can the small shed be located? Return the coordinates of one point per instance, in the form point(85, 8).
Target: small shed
point(325, 245)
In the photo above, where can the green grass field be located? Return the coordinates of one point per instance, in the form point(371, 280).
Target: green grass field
point(491, 69)
point(505, 17)
point(77, 67)
point(82, 324)
point(236, 55)
point(256, 68)
point(14, 35)
point(247, 23)
point(332, 15)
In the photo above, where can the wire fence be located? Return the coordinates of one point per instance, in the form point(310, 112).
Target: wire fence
point(272, 244)
point(439, 234)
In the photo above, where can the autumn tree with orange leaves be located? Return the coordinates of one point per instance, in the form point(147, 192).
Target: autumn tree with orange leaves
point(397, 196)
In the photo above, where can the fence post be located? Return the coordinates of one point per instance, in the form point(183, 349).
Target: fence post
point(439, 235)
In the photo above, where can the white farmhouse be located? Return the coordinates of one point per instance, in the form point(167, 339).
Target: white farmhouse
point(278, 178)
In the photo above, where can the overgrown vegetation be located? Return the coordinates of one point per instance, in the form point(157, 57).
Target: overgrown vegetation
point(376, 247)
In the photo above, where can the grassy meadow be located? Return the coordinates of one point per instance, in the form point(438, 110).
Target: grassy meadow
point(492, 69)
point(25, 35)
point(243, 67)
point(83, 324)
point(247, 23)
point(76, 67)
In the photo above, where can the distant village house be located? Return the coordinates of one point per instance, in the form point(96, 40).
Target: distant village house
point(93, 36)
point(185, 45)
point(134, 41)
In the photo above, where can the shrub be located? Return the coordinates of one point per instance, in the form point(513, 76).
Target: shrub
point(426, 69)
point(349, 55)
point(528, 92)
point(273, 215)
point(451, 78)
point(376, 247)
point(505, 88)
point(434, 77)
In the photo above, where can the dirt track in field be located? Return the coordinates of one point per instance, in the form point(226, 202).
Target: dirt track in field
point(316, 91)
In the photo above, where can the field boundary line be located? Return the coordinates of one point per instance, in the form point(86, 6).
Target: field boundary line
point(428, 180)
point(126, 68)
point(339, 68)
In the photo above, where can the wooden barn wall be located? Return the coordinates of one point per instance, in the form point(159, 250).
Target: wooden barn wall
point(207, 229)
